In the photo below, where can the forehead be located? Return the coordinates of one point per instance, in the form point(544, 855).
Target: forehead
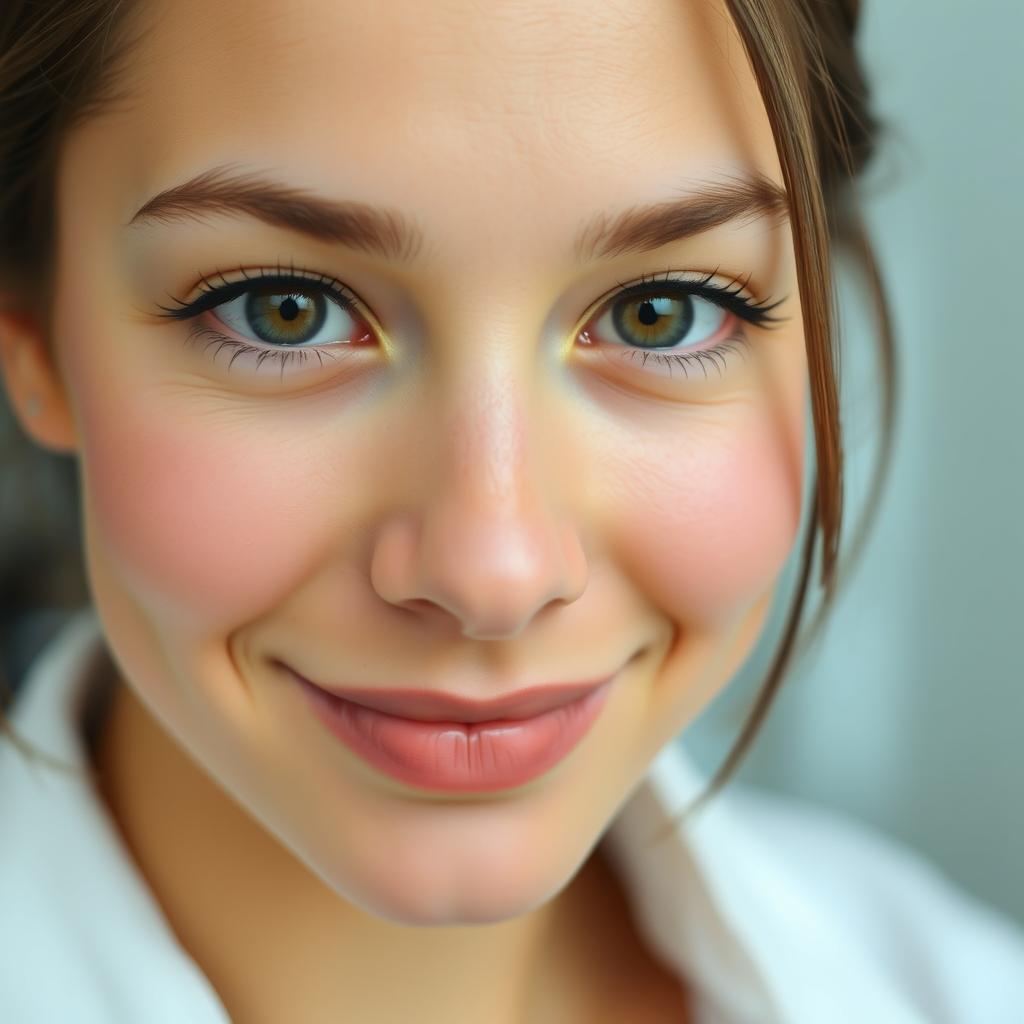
point(550, 105)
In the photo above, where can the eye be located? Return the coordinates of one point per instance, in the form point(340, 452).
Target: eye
point(662, 320)
point(290, 316)
point(677, 321)
point(276, 315)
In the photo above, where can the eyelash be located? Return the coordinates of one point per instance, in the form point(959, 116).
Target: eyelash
point(212, 295)
point(730, 299)
point(759, 314)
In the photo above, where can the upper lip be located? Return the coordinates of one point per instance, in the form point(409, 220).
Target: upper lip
point(434, 706)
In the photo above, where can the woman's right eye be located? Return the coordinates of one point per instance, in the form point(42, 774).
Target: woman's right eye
point(278, 317)
point(297, 317)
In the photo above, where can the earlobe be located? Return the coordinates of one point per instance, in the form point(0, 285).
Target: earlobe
point(34, 389)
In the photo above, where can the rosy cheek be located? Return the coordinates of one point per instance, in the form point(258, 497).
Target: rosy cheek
point(200, 516)
point(710, 523)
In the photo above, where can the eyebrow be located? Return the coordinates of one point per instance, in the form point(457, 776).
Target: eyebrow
point(225, 190)
point(386, 232)
point(708, 205)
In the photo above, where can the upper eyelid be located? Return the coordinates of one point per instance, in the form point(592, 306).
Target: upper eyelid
point(212, 296)
point(738, 289)
point(730, 298)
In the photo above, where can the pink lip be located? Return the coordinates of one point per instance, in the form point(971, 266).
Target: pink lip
point(484, 754)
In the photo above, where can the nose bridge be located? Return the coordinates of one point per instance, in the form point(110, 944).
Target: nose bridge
point(491, 539)
point(488, 421)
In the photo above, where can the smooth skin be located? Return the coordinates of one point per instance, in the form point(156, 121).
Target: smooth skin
point(473, 501)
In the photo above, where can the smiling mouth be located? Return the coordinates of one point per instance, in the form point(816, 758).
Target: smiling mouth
point(449, 752)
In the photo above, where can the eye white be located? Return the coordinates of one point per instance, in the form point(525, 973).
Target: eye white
point(707, 319)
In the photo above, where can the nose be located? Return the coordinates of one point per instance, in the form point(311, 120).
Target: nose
point(488, 542)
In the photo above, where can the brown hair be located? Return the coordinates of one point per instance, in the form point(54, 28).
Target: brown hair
point(55, 73)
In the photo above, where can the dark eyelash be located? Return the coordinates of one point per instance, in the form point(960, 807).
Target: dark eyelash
point(731, 299)
point(757, 313)
point(215, 295)
point(282, 356)
point(716, 356)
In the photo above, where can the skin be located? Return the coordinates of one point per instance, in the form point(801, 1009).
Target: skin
point(477, 502)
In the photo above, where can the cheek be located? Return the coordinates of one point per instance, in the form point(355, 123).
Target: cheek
point(208, 523)
point(711, 522)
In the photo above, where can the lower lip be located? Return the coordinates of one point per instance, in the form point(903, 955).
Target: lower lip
point(458, 757)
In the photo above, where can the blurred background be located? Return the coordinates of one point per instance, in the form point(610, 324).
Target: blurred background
point(908, 713)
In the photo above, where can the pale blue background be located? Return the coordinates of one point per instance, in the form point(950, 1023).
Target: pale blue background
point(910, 714)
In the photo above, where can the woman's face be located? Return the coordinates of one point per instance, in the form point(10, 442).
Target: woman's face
point(492, 471)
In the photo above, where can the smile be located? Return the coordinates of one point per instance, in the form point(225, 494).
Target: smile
point(446, 743)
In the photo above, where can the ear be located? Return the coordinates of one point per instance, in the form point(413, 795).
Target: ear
point(37, 394)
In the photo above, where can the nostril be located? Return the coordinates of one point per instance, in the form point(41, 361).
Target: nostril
point(419, 606)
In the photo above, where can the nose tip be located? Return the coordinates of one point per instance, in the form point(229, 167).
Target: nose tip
point(491, 577)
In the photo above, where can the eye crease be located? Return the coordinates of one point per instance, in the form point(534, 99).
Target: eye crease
point(286, 312)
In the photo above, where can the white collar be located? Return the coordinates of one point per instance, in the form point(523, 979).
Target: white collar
point(727, 909)
point(717, 904)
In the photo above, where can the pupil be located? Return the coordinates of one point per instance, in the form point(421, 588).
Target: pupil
point(647, 314)
point(289, 309)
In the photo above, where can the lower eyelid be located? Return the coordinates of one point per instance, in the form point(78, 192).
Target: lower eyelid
point(242, 349)
point(717, 357)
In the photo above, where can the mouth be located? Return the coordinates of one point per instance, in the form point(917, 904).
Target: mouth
point(447, 743)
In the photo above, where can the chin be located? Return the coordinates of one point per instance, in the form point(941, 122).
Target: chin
point(454, 880)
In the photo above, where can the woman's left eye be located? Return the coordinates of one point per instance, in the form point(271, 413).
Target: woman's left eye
point(676, 321)
point(662, 320)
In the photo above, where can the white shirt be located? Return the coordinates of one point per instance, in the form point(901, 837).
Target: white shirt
point(773, 910)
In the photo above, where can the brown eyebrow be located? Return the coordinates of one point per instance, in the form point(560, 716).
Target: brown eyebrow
point(388, 233)
point(222, 189)
point(650, 226)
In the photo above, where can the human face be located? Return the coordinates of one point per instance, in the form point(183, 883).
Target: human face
point(472, 484)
